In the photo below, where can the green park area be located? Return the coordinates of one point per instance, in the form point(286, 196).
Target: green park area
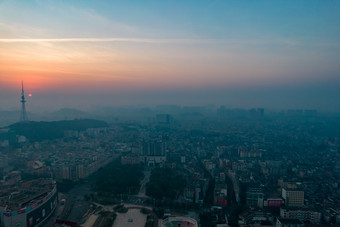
point(165, 183)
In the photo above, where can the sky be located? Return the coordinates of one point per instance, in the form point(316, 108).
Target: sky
point(271, 54)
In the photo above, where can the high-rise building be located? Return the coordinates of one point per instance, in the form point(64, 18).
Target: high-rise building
point(153, 148)
point(255, 196)
point(293, 195)
point(163, 118)
point(153, 153)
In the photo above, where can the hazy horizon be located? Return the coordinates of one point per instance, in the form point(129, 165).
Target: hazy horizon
point(274, 55)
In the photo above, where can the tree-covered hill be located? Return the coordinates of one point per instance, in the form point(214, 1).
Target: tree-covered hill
point(43, 130)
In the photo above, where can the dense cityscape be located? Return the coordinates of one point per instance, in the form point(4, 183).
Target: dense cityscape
point(169, 113)
point(197, 165)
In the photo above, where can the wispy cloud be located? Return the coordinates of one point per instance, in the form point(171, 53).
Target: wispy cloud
point(135, 40)
point(149, 40)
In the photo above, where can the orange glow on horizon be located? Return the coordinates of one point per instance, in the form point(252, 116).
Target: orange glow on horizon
point(102, 67)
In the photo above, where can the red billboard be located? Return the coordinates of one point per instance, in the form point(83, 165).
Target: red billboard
point(274, 202)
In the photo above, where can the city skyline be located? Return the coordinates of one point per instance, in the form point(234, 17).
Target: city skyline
point(169, 113)
point(243, 54)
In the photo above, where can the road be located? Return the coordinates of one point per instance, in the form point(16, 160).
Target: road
point(76, 206)
point(143, 183)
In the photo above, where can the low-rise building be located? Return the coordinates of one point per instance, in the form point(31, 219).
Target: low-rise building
point(281, 222)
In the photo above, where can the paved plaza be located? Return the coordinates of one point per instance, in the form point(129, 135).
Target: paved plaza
point(133, 218)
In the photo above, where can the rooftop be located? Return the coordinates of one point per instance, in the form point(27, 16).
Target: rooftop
point(179, 222)
point(25, 193)
point(289, 221)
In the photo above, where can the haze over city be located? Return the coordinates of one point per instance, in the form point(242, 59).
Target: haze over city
point(186, 113)
point(82, 54)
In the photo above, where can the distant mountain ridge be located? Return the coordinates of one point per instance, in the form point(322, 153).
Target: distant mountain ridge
point(69, 112)
point(44, 130)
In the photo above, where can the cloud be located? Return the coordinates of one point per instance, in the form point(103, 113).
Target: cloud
point(55, 40)
point(229, 42)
